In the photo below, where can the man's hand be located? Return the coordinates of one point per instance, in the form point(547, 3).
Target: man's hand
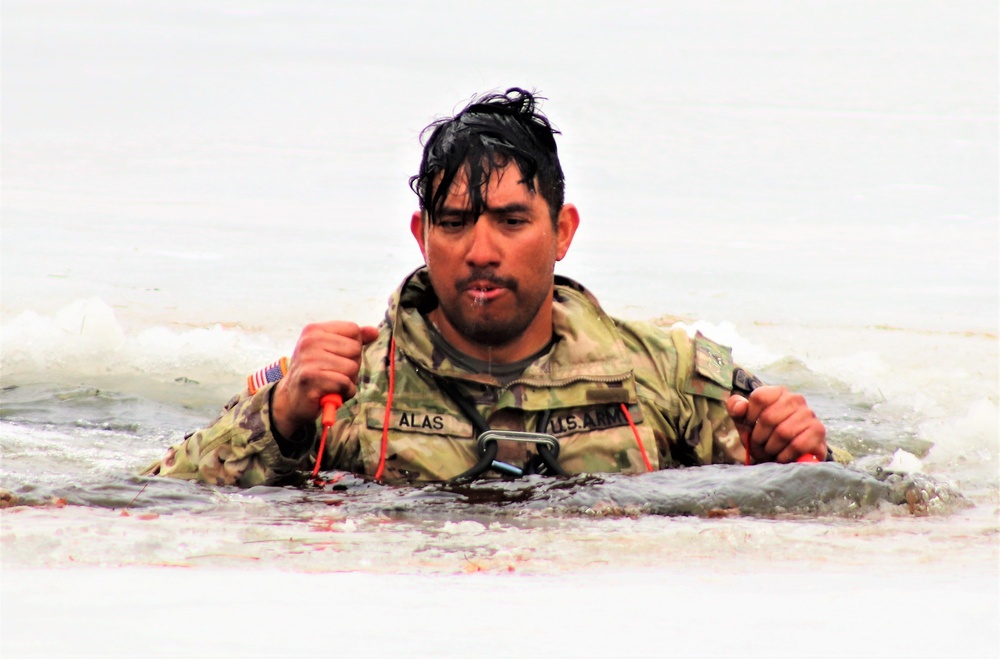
point(326, 360)
point(780, 425)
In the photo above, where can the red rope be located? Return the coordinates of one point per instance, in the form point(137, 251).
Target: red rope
point(638, 440)
point(322, 449)
point(388, 408)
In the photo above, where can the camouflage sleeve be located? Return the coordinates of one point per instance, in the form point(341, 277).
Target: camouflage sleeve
point(238, 448)
point(685, 381)
point(705, 373)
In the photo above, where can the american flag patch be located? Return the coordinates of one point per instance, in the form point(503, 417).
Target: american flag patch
point(270, 373)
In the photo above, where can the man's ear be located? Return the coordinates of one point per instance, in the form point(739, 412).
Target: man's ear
point(417, 229)
point(566, 225)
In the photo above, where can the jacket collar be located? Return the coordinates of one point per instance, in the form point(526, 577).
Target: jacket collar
point(588, 347)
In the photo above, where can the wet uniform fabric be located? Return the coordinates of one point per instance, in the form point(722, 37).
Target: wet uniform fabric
point(673, 386)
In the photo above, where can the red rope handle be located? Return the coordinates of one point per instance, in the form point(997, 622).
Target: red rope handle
point(638, 440)
point(388, 409)
point(331, 403)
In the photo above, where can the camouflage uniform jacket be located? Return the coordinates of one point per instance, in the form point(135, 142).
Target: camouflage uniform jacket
point(673, 386)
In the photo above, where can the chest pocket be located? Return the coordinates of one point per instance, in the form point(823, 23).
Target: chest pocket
point(599, 439)
point(424, 444)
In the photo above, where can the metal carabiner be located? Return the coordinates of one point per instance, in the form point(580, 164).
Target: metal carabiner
point(548, 441)
point(548, 449)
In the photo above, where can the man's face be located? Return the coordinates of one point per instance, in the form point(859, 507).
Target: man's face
point(493, 274)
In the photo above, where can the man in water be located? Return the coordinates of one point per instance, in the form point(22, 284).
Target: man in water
point(488, 363)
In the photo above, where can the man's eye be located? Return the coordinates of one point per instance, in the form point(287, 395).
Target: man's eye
point(451, 225)
point(513, 221)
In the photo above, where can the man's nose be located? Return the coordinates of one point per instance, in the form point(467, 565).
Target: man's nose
point(483, 249)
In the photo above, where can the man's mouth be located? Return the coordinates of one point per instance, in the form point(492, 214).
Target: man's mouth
point(483, 292)
point(485, 289)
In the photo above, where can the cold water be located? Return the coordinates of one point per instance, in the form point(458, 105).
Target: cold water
point(815, 184)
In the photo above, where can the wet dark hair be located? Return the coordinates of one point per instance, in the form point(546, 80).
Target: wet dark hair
point(485, 137)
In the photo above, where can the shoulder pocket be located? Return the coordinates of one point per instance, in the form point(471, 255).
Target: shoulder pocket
point(712, 375)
